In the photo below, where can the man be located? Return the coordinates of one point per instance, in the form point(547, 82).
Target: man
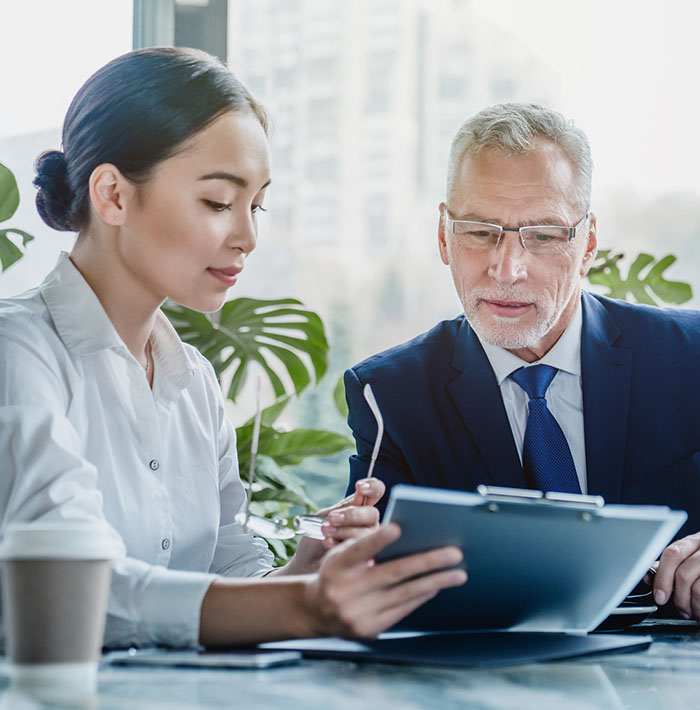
point(539, 384)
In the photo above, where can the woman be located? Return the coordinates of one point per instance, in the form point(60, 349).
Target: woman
point(107, 415)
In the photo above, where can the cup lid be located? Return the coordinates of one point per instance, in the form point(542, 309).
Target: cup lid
point(60, 540)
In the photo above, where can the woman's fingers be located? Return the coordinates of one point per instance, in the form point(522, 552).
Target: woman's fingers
point(368, 491)
point(363, 550)
point(348, 520)
point(401, 601)
point(356, 597)
point(402, 569)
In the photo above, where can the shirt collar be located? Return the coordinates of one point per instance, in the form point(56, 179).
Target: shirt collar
point(85, 328)
point(564, 355)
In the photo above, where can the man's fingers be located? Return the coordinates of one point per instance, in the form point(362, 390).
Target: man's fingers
point(695, 600)
point(685, 579)
point(669, 562)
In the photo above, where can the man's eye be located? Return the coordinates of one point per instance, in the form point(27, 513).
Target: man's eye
point(217, 206)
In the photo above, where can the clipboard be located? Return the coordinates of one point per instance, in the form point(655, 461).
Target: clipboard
point(536, 562)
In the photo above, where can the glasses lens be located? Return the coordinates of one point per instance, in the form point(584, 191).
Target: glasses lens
point(475, 235)
point(545, 240)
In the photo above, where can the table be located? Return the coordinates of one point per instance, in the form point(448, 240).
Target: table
point(665, 676)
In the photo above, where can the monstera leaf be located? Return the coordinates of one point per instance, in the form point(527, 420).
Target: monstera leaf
point(606, 272)
point(339, 398)
point(9, 201)
point(277, 492)
point(286, 448)
point(273, 333)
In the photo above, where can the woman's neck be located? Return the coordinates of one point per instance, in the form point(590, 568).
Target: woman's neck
point(127, 302)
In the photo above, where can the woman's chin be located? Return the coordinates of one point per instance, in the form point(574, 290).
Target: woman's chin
point(203, 304)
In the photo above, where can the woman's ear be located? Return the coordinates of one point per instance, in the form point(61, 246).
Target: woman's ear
point(110, 194)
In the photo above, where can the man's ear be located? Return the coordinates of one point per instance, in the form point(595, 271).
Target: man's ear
point(591, 245)
point(109, 194)
point(442, 243)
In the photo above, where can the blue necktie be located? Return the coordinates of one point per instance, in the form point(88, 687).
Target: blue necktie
point(547, 461)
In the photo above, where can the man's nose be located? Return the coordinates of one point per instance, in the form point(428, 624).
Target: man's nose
point(508, 260)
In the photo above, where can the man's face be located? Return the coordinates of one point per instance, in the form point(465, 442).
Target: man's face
point(513, 299)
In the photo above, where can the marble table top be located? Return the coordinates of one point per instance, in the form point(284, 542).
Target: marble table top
point(666, 675)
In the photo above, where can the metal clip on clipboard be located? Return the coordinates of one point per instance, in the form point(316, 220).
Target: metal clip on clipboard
point(496, 495)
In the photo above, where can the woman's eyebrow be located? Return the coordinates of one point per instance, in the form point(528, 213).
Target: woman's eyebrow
point(235, 179)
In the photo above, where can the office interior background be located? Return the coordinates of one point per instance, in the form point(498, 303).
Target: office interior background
point(365, 96)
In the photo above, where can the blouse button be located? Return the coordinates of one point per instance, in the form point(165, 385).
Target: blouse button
point(165, 543)
point(154, 465)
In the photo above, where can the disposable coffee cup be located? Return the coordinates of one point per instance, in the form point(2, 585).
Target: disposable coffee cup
point(55, 588)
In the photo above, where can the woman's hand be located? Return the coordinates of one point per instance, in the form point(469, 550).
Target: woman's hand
point(355, 515)
point(352, 517)
point(351, 596)
point(356, 598)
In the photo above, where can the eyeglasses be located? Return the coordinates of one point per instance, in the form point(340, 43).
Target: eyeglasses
point(539, 239)
point(310, 525)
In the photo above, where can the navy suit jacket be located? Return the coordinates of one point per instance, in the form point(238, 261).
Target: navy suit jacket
point(446, 425)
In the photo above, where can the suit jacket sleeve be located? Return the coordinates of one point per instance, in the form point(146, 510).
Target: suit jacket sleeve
point(391, 466)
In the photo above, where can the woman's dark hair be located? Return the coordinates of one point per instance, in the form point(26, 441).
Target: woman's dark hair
point(134, 113)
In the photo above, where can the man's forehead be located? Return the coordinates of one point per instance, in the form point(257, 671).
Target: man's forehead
point(541, 179)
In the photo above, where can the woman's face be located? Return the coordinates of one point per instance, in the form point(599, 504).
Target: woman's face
point(191, 226)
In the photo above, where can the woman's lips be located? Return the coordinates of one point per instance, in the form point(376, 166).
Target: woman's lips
point(226, 276)
point(509, 309)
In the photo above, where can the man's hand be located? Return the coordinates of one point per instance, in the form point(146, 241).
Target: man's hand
point(678, 573)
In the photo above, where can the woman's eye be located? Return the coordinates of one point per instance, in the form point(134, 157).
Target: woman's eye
point(217, 206)
point(258, 208)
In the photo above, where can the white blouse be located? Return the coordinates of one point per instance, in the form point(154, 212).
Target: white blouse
point(83, 437)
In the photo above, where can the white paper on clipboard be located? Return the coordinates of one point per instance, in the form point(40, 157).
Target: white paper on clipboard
point(532, 564)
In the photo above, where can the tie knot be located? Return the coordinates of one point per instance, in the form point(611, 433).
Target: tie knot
point(535, 380)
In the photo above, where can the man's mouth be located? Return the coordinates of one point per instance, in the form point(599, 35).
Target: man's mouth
point(509, 309)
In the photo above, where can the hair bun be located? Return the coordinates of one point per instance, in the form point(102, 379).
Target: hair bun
point(54, 198)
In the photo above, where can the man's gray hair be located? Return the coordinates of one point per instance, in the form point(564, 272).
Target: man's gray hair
point(513, 128)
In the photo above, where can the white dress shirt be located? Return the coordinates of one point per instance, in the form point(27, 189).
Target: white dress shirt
point(564, 396)
point(83, 437)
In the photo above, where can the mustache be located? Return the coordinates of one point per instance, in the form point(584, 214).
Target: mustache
point(499, 293)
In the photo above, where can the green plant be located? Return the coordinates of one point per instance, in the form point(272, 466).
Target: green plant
point(10, 252)
point(277, 490)
point(287, 341)
point(271, 333)
point(644, 278)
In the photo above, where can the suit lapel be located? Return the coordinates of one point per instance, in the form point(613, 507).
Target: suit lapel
point(605, 378)
point(478, 400)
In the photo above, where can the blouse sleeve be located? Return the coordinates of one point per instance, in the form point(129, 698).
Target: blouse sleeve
point(46, 478)
point(238, 553)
